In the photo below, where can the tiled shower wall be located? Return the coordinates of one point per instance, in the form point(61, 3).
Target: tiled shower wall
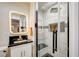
point(41, 34)
point(41, 38)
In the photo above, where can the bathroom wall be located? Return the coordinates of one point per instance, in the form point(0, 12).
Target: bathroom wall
point(32, 21)
point(78, 31)
point(5, 7)
point(74, 40)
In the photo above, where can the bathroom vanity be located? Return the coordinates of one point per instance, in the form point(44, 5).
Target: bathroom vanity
point(19, 44)
point(21, 47)
point(21, 50)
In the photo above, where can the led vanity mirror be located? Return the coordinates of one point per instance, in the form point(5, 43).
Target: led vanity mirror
point(18, 22)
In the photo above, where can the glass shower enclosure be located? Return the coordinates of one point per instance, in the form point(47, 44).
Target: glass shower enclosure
point(52, 34)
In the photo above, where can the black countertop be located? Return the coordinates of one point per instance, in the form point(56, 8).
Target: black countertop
point(16, 44)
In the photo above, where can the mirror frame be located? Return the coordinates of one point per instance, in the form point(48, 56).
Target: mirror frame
point(10, 12)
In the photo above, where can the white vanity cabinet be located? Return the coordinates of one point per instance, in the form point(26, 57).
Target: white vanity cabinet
point(24, 50)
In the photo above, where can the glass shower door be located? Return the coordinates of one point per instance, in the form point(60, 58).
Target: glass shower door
point(42, 46)
point(53, 29)
point(63, 34)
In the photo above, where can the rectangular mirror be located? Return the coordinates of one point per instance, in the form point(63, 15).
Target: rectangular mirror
point(15, 25)
point(18, 22)
point(23, 23)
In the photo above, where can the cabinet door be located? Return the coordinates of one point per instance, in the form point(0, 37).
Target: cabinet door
point(28, 50)
point(24, 50)
point(16, 51)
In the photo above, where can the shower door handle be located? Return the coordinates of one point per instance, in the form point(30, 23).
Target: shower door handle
point(36, 25)
point(56, 41)
point(53, 42)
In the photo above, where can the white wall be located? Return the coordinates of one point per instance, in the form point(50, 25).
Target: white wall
point(73, 18)
point(4, 18)
point(78, 29)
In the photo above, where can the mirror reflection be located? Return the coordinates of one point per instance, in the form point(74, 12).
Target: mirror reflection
point(18, 23)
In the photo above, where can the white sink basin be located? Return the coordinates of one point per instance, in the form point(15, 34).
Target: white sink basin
point(20, 41)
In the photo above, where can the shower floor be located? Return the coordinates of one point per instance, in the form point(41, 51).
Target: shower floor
point(47, 55)
point(41, 46)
